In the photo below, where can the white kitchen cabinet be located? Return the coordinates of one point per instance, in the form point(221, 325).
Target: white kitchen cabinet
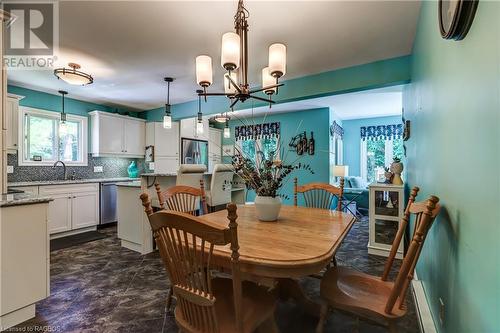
point(24, 261)
point(165, 141)
point(60, 213)
point(75, 206)
point(11, 122)
point(84, 210)
point(166, 146)
point(166, 164)
point(188, 128)
point(116, 135)
point(214, 148)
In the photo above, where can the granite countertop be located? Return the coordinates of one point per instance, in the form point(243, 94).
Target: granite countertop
point(76, 181)
point(152, 174)
point(130, 184)
point(18, 199)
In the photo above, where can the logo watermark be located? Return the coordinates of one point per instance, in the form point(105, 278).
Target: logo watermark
point(32, 34)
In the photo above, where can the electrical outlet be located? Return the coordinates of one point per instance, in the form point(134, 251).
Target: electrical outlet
point(151, 165)
point(441, 311)
point(10, 169)
point(98, 169)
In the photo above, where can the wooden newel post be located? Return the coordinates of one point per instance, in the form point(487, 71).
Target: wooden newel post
point(235, 255)
point(295, 189)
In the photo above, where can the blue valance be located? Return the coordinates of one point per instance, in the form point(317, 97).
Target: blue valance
point(336, 130)
point(257, 131)
point(382, 132)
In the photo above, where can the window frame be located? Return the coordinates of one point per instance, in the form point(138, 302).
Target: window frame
point(82, 145)
point(256, 159)
point(363, 159)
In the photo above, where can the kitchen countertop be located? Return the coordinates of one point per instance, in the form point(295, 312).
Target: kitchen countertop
point(130, 184)
point(76, 181)
point(18, 199)
point(152, 174)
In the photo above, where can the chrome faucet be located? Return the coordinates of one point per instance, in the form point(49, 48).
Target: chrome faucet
point(64, 168)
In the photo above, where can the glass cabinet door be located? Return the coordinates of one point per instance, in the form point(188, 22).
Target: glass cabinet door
point(385, 231)
point(386, 203)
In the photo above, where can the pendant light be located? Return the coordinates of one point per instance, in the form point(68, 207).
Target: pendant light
point(227, 130)
point(199, 123)
point(167, 118)
point(62, 122)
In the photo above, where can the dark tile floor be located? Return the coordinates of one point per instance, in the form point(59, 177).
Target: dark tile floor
point(102, 287)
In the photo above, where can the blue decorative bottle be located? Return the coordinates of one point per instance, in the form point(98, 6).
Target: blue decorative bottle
point(132, 170)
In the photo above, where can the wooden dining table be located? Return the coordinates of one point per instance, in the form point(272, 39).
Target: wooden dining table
point(300, 243)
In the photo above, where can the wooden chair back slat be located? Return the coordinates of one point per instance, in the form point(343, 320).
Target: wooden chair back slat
point(182, 198)
point(186, 245)
point(319, 195)
point(425, 214)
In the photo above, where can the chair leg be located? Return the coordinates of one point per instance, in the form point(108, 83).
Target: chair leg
point(322, 317)
point(334, 261)
point(169, 298)
point(356, 325)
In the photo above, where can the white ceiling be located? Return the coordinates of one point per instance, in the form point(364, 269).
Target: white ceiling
point(365, 104)
point(129, 46)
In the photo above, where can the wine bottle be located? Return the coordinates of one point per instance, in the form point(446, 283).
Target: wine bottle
point(305, 145)
point(311, 144)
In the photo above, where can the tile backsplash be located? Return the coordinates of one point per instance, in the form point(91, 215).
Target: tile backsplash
point(113, 167)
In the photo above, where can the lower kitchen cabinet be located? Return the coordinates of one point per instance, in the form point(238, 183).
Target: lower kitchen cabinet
point(74, 207)
point(84, 210)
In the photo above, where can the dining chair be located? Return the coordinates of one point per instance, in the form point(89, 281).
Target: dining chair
point(206, 304)
point(181, 198)
point(375, 298)
point(220, 186)
point(190, 174)
point(319, 195)
point(184, 199)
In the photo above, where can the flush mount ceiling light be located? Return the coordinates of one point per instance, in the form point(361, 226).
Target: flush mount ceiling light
point(167, 118)
point(222, 118)
point(234, 59)
point(73, 76)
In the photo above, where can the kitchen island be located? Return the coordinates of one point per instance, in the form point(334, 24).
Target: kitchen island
point(24, 256)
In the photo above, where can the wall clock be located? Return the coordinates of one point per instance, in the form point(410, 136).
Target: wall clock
point(455, 17)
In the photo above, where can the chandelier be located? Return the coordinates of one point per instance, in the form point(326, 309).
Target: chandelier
point(72, 75)
point(234, 59)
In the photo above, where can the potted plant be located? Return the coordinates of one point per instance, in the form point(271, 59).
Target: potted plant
point(266, 177)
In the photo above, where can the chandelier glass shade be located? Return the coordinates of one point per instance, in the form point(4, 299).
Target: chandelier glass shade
point(234, 59)
point(73, 76)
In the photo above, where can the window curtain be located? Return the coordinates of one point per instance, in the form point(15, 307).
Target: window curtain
point(336, 130)
point(257, 131)
point(382, 132)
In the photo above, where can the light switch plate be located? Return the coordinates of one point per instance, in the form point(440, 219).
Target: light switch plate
point(151, 165)
point(10, 169)
point(98, 169)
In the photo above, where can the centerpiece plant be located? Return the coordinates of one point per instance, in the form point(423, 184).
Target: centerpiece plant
point(267, 174)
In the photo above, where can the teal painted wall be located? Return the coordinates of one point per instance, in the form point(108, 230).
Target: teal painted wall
point(352, 139)
point(373, 75)
point(454, 153)
point(292, 123)
point(45, 101)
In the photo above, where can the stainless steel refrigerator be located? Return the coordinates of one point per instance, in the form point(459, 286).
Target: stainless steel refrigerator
point(194, 151)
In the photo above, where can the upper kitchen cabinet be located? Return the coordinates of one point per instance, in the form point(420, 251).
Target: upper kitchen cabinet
point(11, 122)
point(165, 141)
point(116, 135)
point(188, 129)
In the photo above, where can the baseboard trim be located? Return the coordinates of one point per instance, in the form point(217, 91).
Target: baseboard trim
point(425, 319)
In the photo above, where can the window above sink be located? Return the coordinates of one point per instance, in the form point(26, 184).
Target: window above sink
point(44, 140)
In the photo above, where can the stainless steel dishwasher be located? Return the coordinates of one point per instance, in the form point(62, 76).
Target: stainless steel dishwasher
point(107, 203)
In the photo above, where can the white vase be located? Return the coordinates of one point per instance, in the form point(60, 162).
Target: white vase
point(267, 208)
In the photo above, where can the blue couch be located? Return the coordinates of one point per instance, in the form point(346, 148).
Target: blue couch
point(356, 184)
